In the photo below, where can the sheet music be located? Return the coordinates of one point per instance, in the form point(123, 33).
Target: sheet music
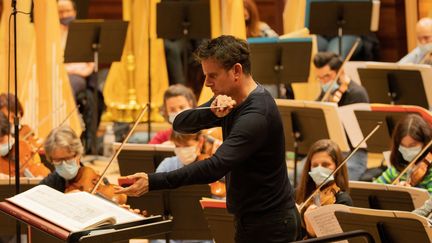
point(56, 207)
point(324, 221)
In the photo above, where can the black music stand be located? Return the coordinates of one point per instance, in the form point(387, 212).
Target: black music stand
point(303, 126)
point(384, 229)
point(98, 41)
point(339, 17)
point(183, 19)
point(393, 86)
point(382, 199)
point(278, 61)
point(381, 140)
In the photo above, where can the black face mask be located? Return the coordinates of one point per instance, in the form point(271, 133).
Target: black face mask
point(66, 21)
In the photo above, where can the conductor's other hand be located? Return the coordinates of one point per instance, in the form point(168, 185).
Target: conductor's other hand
point(138, 188)
point(224, 103)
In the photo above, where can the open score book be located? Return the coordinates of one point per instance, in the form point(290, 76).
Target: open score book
point(72, 212)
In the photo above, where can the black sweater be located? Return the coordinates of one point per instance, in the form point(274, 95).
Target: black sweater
point(252, 156)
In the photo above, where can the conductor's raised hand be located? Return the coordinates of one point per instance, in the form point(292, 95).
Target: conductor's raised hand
point(224, 105)
point(138, 188)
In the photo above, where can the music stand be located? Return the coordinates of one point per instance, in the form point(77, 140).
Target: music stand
point(382, 228)
point(98, 41)
point(220, 222)
point(183, 19)
point(338, 18)
point(277, 61)
point(381, 140)
point(393, 86)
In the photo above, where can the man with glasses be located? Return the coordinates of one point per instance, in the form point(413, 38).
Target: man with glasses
point(344, 91)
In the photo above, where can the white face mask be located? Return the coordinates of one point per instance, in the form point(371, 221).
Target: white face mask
point(409, 154)
point(5, 148)
point(172, 116)
point(186, 155)
point(319, 174)
point(426, 47)
point(67, 169)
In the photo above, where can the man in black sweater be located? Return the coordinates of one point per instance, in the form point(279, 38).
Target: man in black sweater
point(252, 156)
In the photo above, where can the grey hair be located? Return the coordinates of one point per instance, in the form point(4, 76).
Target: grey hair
point(63, 137)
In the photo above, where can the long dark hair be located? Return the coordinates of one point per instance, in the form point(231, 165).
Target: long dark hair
point(307, 185)
point(411, 125)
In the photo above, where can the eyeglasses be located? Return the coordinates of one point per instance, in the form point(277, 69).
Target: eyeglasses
point(68, 160)
point(324, 77)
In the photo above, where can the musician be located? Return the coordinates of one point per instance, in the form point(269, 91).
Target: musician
point(411, 134)
point(254, 26)
point(8, 106)
point(424, 43)
point(176, 99)
point(6, 140)
point(252, 155)
point(63, 149)
point(323, 158)
point(344, 92)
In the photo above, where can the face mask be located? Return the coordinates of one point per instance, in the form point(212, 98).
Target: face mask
point(5, 148)
point(409, 154)
point(319, 174)
point(172, 116)
point(67, 169)
point(326, 86)
point(426, 47)
point(186, 155)
point(66, 21)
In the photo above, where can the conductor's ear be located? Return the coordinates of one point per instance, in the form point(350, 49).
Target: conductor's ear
point(238, 70)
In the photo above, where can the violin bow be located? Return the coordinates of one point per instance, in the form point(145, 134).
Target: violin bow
point(140, 116)
point(347, 58)
point(396, 180)
point(340, 166)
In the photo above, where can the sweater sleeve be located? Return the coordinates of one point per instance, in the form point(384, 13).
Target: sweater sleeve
point(192, 120)
point(244, 140)
point(424, 210)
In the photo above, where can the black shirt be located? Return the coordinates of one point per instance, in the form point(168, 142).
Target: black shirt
point(55, 181)
point(252, 156)
point(354, 94)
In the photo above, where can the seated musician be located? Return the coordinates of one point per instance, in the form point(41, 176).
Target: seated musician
point(344, 92)
point(422, 53)
point(411, 134)
point(176, 98)
point(6, 140)
point(323, 158)
point(8, 106)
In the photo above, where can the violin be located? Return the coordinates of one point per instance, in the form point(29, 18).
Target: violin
point(307, 203)
point(217, 188)
point(337, 95)
point(30, 162)
point(86, 180)
point(418, 171)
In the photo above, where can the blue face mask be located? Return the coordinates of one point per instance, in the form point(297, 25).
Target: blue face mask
point(66, 21)
point(409, 154)
point(5, 148)
point(326, 86)
point(67, 169)
point(319, 174)
point(425, 48)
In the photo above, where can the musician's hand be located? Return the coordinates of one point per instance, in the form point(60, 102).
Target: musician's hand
point(138, 188)
point(404, 183)
point(225, 103)
point(128, 207)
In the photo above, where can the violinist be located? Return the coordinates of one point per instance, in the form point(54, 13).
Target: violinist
point(344, 92)
point(176, 99)
point(30, 163)
point(64, 150)
point(411, 134)
point(323, 158)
